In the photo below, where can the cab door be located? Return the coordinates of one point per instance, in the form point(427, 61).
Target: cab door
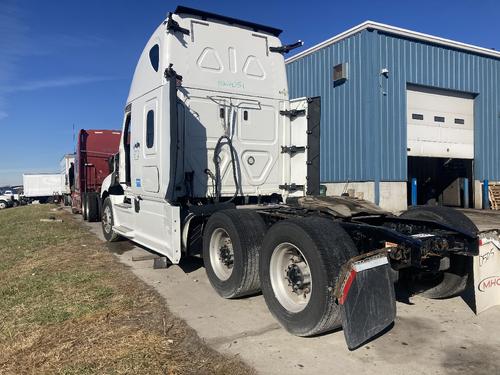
point(157, 222)
point(124, 220)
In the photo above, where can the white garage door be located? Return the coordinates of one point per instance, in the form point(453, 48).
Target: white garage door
point(440, 124)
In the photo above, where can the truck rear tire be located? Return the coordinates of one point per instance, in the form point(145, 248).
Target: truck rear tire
point(108, 221)
point(93, 207)
point(451, 282)
point(231, 243)
point(299, 265)
point(85, 212)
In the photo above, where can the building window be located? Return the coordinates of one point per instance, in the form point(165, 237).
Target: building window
point(340, 74)
point(438, 119)
point(150, 129)
point(417, 116)
point(459, 121)
point(245, 115)
point(154, 57)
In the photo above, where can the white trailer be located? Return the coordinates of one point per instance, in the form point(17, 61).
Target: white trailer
point(67, 169)
point(42, 187)
point(216, 161)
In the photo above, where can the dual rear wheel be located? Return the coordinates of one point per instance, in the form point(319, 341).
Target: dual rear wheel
point(295, 264)
point(231, 244)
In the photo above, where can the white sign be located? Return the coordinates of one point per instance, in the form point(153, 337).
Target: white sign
point(487, 273)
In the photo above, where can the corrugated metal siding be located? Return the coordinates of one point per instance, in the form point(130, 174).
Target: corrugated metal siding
point(343, 143)
point(364, 120)
point(429, 65)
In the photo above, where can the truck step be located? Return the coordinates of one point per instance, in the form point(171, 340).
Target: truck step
point(125, 206)
point(124, 231)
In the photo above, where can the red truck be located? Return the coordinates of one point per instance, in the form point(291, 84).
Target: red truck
point(93, 152)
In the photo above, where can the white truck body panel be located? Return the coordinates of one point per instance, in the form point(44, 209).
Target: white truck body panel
point(233, 86)
point(65, 165)
point(298, 137)
point(224, 68)
point(42, 185)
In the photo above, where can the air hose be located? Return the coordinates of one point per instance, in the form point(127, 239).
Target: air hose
point(218, 179)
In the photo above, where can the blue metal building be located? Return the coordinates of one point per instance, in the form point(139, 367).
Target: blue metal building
point(365, 77)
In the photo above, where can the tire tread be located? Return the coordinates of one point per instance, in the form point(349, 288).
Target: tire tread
point(334, 247)
point(251, 229)
point(113, 236)
point(93, 207)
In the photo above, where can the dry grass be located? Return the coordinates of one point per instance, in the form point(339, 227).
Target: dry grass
point(67, 306)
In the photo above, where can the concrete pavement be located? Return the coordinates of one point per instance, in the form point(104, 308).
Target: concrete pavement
point(428, 337)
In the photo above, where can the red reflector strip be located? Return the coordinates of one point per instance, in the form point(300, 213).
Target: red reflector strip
point(347, 286)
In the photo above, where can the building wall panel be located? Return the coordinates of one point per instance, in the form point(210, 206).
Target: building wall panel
point(440, 67)
point(343, 144)
point(363, 131)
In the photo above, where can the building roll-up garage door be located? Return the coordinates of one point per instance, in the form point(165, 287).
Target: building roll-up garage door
point(440, 123)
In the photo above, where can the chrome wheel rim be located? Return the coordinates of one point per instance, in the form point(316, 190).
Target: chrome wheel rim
point(221, 254)
point(290, 277)
point(107, 219)
point(2, 205)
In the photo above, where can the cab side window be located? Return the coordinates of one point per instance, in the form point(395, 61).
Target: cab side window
point(154, 57)
point(150, 129)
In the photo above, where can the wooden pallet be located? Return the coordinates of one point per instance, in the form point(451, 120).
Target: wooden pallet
point(494, 196)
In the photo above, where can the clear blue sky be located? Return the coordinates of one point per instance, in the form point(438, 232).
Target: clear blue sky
point(71, 62)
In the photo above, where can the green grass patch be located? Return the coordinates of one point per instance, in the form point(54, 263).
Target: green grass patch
point(67, 306)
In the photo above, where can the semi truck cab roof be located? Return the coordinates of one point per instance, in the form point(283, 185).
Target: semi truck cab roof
point(213, 53)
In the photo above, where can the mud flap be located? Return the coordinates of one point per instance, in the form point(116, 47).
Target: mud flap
point(366, 296)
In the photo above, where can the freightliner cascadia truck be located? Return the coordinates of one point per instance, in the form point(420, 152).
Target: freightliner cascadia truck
point(216, 161)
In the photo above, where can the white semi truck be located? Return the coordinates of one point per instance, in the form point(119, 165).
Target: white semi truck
point(216, 160)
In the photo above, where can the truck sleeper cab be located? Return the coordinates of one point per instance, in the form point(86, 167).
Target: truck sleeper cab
point(216, 160)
